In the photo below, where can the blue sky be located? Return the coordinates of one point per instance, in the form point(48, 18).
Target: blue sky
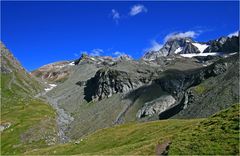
point(39, 33)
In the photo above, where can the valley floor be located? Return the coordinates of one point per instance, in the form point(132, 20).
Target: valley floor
point(218, 134)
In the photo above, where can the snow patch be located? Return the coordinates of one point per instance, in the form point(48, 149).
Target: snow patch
point(92, 58)
point(199, 54)
point(60, 66)
point(51, 86)
point(178, 50)
point(71, 64)
point(201, 47)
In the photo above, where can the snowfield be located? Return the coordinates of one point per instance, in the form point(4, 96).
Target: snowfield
point(51, 86)
point(201, 47)
point(71, 64)
point(199, 54)
point(178, 50)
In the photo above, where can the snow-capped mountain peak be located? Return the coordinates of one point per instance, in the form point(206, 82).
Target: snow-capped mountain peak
point(174, 46)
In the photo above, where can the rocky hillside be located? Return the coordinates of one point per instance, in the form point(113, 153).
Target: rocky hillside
point(191, 91)
point(26, 122)
point(11, 68)
point(104, 91)
point(55, 72)
point(59, 72)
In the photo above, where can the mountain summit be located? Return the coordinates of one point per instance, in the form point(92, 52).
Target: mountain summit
point(177, 46)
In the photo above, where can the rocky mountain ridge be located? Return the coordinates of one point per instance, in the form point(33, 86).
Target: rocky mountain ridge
point(19, 76)
point(54, 72)
point(176, 46)
point(189, 46)
point(9, 63)
point(224, 45)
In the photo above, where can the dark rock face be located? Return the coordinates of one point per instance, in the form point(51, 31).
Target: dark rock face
point(224, 44)
point(215, 45)
point(231, 45)
point(83, 56)
point(209, 58)
point(107, 82)
point(176, 82)
point(189, 49)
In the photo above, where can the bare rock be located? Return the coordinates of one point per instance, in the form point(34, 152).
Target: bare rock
point(156, 106)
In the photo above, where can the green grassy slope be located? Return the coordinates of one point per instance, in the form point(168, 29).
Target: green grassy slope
point(215, 135)
point(32, 122)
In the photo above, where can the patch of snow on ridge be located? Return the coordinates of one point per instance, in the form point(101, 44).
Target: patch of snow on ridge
point(50, 88)
point(178, 50)
point(93, 59)
point(71, 64)
point(200, 54)
point(201, 47)
point(60, 66)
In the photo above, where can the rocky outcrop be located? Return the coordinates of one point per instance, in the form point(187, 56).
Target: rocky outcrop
point(156, 106)
point(99, 61)
point(163, 148)
point(107, 82)
point(125, 57)
point(189, 48)
point(122, 77)
point(4, 126)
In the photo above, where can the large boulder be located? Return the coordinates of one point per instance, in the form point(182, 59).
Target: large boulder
point(156, 106)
